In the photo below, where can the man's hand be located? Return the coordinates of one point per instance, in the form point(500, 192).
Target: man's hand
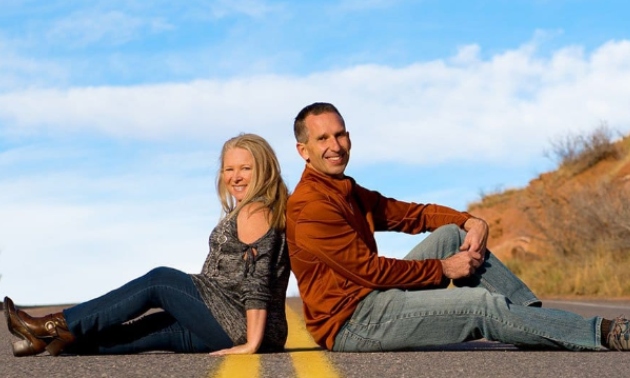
point(476, 237)
point(461, 264)
point(472, 251)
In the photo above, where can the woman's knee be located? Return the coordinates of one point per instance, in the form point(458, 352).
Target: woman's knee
point(163, 273)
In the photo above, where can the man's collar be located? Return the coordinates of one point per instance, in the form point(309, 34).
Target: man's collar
point(343, 185)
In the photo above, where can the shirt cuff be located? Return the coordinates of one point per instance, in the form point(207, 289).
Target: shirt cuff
point(255, 304)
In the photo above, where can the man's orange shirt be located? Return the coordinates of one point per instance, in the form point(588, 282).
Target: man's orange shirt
point(330, 234)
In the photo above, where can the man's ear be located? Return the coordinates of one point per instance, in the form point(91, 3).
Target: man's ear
point(301, 148)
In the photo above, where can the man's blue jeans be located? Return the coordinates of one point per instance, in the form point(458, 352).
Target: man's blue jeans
point(186, 325)
point(494, 304)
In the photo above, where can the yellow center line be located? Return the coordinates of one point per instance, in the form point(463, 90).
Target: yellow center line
point(309, 360)
point(246, 365)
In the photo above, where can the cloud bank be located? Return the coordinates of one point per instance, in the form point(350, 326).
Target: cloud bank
point(114, 180)
point(491, 109)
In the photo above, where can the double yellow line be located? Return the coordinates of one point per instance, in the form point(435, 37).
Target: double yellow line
point(309, 361)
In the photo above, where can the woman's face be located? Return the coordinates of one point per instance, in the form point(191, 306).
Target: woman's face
point(238, 166)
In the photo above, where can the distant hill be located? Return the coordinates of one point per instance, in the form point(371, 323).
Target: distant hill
point(587, 199)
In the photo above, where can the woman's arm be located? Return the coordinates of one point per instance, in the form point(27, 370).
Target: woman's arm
point(256, 320)
point(252, 224)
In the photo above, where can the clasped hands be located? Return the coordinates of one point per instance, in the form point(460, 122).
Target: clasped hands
point(471, 253)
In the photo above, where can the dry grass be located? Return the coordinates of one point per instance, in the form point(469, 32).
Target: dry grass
point(584, 225)
point(575, 153)
point(595, 274)
point(590, 217)
point(587, 234)
point(489, 199)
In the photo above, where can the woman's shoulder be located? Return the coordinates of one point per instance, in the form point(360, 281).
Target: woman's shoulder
point(255, 212)
point(253, 221)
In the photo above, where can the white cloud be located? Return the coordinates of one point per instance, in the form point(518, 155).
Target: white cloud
point(87, 27)
point(250, 8)
point(504, 107)
point(19, 71)
point(361, 5)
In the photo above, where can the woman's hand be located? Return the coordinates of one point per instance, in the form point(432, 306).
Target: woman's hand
point(238, 349)
point(256, 319)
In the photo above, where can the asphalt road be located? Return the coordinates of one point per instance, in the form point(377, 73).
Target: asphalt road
point(304, 359)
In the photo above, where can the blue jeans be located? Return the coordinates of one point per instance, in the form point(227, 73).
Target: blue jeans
point(493, 304)
point(105, 325)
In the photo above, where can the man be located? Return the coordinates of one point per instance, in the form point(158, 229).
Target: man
point(355, 300)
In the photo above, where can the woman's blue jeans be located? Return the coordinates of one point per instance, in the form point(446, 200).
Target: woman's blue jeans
point(106, 325)
point(493, 304)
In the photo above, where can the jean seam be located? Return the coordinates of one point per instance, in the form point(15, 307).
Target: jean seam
point(350, 335)
point(493, 289)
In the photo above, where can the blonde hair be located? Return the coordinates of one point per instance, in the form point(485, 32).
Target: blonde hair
point(266, 185)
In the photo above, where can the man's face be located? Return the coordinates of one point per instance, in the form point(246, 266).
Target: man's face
point(327, 149)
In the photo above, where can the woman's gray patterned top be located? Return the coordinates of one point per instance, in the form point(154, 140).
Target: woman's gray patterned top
point(234, 279)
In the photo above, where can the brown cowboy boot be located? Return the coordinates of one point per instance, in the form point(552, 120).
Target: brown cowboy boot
point(49, 332)
point(30, 345)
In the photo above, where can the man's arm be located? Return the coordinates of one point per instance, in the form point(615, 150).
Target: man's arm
point(419, 218)
point(411, 218)
point(322, 230)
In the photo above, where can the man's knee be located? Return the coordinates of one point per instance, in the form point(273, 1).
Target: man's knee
point(450, 231)
point(448, 238)
point(440, 244)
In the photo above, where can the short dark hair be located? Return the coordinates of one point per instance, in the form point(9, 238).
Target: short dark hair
point(316, 108)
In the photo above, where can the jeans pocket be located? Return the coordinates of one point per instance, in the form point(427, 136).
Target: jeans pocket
point(351, 342)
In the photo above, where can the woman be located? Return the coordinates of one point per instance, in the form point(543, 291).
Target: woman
point(236, 305)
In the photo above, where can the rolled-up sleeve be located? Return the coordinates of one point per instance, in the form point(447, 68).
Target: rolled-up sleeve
point(258, 272)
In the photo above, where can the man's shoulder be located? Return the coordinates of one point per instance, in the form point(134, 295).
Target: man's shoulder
point(307, 192)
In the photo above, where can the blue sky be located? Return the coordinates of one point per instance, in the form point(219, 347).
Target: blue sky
point(112, 113)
